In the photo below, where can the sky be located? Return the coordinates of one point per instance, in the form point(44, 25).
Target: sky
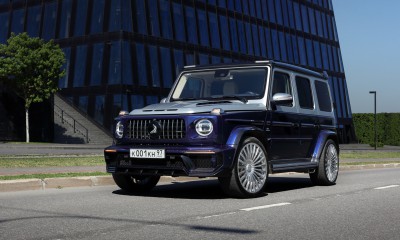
point(369, 37)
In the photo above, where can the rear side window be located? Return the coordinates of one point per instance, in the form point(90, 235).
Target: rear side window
point(324, 100)
point(304, 93)
point(281, 84)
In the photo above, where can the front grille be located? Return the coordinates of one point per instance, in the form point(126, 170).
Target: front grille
point(171, 129)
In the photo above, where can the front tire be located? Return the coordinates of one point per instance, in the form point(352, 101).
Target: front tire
point(328, 167)
point(250, 172)
point(133, 184)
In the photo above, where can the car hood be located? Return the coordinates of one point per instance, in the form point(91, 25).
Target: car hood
point(190, 107)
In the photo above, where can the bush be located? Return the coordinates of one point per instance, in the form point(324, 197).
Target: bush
point(388, 128)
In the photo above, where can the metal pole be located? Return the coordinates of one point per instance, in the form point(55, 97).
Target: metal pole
point(375, 137)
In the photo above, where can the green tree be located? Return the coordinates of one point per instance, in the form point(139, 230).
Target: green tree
point(32, 68)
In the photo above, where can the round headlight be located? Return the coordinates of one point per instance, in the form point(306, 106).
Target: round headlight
point(204, 127)
point(119, 130)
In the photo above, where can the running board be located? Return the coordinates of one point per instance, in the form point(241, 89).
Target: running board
point(293, 167)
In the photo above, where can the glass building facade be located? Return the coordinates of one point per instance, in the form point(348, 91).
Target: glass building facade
point(125, 54)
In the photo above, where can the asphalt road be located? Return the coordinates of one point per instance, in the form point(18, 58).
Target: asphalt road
point(363, 205)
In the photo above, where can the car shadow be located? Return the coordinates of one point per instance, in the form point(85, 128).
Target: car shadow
point(210, 189)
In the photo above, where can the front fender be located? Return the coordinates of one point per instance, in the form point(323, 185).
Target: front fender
point(237, 134)
point(320, 143)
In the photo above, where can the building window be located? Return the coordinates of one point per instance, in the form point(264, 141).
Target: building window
point(304, 93)
point(65, 20)
point(141, 63)
point(137, 101)
point(154, 23)
point(115, 16)
point(151, 100)
point(215, 59)
point(166, 23)
point(127, 15)
point(120, 103)
point(203, 59)
point(271, 11)
point(302, 51)
point(17, 25)
point(114, 70)
point(214, 30)
point(49, 22)
point(256, 40)
point(224, 29)
point(275, 44)
point(154, 71)
point(279, 13)
point(4, 22)
point(249, 39)
point(179, 61)
point(289, 48)
point(268, 39)
point(317, 52)
point(242, 39)
point(127, 76)
point(282, 44)
point(33, 21)
point(324, 53)
point(310, 53)
point(63, 82)
point(97, 16)
point(99, 109)
point(234, 34)
point(295, 50)
point(178, 22)
point(312, 21)
point(263, 44)
point(97, 64)
point(166, 67)
point(80, 66)
point(191, 25)
point(83, 102)
point(319, 23)
point(80, 19)
point(202, 21)
point(141, 16)
point(304, 17)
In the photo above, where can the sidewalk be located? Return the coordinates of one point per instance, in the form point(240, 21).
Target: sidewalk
point(48, 149)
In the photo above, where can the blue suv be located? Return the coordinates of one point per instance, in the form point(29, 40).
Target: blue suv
point(237, 122)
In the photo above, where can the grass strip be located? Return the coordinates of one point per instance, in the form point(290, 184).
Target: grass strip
point(369, 155)
point(367, 163)
point(53, 175)
point(52, 161)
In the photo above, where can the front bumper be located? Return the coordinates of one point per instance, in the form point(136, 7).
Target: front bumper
point(178, 161)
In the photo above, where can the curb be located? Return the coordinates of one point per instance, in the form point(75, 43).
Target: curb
point(93, 181)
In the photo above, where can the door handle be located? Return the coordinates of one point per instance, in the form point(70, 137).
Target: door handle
point(296, 125)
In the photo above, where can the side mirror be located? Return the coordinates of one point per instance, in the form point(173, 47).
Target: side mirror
point(164, 100)
point(282, 99)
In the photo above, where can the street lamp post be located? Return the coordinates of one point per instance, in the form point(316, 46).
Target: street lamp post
point(374, 92)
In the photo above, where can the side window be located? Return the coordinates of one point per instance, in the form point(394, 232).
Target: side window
point(324, 100)
point(304, 93)
point(281, 84)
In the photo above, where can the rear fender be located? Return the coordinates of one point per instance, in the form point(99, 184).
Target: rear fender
point(320, 144)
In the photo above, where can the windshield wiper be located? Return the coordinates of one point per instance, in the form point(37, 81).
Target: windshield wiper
point(242, 99)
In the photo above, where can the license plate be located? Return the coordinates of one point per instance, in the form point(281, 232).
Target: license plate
point(147, 153)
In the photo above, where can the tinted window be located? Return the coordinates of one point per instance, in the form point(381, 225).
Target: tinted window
point(178, 23)
point(97, 64)
point(127, 77)
point(63, 82)
point(155, 74)
point(153, 10)
point(166, 67)
point(3, 27)
point(17, 25)
point(141, 63)
point(140, 16)
point(80, 19)
point(323, 96)
point(201, 15)
point(33, 21)
point(191, 25)
point(281, 84)
point(214, 30)
point(49, 23)
point(225, 33)
point(304, 93)
point(114, 70)
point(115, 16)
point(234, 35)
point(80, 66)
point(65, 19)
point(166, 23)
point(97, 16)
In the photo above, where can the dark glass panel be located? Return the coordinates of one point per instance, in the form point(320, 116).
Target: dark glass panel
point(271, 11)
point(347, 99)
point(342, 97)
point(234, 34)
point(330, 28)
point(17, 25)
point(252, 7)
point(295, 50)
point(231, 6)
point(249, 39)
point(279, 12)
point(337, 97)
point(99, 109)
point(285, 13)
point(292, 23)
point(282, 46)
point(227, 60)
point(114, 67)
point(222, 3)
point(203, 59)
point(304, 93)
point(319, 23)
point(297, 16)
point(83, 102)
point(264, 10)
point(245, 4)
point(166, 22)
point(97, 64)
point(33, 21)
point(241, 34)
point(214, 30)
point(178, 22)
point(289, 48)
point(115, 16)
point(4, 25)
point(154, 23)
point(340, 61)
point(191, 25)
point(189, 58)
point(324, 100)
point(325, 59)
point(63, 82)
point(212, 2)
point(275, 44)
point(226, 44)
point(202, 21)
point(312, 21)
point(80, 66)
point(258, 8)
point(310, 53)
point(166, 68)
point(304, 17)
point(65, 20)
point(238, 5)
point(141, 64)
point(335, 35)
point(154, 71)
point(256, 40)
point(49, 21)
point(268, 38)
point(331, 65)
point(317, 54)
point(151, 100)
point(97, 16)
point(215, 59)
point(137, 101)
point(179, 61)
point(127, 15)
point(80, 18)
point(263, 44)
point(324, 26)
point(335, 59)
point(127, 75)
point(4, 2)
point(141, 16)
point(302, 51)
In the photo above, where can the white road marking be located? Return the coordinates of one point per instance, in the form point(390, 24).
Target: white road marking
point(217, 215)
point(265, 206)
point(386, 187)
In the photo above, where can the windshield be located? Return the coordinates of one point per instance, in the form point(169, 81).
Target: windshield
point(241, 84)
